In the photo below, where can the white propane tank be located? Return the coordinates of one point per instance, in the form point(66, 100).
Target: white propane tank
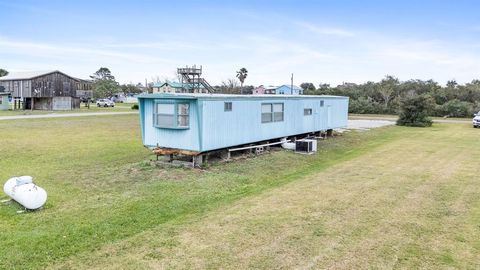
point(25, 192)
point(287, 144)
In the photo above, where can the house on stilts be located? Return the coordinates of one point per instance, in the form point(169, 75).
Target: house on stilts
point(45, 90)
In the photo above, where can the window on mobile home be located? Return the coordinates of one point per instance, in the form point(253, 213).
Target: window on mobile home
point(267, 113)
point(182, 115)
point(165, 114)
point(227, 106)
point(272, 112)
point(307, 111)
point(278, 112)
point(171, 115)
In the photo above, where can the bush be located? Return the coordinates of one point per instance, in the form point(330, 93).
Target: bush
point(475, 108)
point(135, 107)
point(455, 108)
point(414, 111)
point(365, 106)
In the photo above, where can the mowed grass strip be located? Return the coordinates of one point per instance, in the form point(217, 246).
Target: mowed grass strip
point(412, 201)
point(103, 191)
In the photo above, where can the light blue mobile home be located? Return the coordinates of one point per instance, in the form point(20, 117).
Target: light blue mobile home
point(288, 90)
point(206, 122)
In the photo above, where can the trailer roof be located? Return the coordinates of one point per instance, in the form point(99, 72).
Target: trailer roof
point(229, 96)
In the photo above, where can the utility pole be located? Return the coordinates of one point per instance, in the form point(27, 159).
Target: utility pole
point(291, 85)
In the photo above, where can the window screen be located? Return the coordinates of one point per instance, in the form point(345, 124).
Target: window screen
point(321, 103)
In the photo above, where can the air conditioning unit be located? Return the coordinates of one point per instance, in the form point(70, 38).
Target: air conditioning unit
point(306, 146)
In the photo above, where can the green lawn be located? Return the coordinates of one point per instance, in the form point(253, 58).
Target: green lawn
point(93, 108)
point(388, 198)
point(394, 117)
point(124, 104)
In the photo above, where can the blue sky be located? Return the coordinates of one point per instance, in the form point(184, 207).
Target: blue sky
point(319, 41)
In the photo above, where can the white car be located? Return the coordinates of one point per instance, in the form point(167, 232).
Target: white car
point(476, 120)
point(105, 103)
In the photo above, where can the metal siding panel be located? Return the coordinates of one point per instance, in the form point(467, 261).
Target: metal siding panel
point(61, 103)
point(339, 113)
point(243, 124)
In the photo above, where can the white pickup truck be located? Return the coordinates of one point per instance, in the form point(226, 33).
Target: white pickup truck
point(476, 120)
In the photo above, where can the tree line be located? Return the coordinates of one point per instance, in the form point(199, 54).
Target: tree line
point(383, 97)
point(105, 85)
point(386, 96)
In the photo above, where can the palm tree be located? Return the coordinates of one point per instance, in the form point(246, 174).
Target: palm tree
point(242, 75)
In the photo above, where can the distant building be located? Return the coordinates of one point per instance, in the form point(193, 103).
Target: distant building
point(132, 99)
point(278, 90)
point(118, 97)
point(4, 103)
point(270, 90)
point(259, 90)
point(172, 87)
point(167, 87)
point(288, 90)
point(45, 90)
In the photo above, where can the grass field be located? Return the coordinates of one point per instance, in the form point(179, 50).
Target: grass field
point(118, 108)
point(388, 198)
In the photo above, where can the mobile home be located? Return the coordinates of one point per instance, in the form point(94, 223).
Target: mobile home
point(201, 123)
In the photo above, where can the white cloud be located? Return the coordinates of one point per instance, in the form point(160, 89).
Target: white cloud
point(426, 59)
point(270, 56)
point(169, 46)
point(325, 30)
point(65, 51)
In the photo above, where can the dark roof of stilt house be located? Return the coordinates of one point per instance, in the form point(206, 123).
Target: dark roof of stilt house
point(28, 75)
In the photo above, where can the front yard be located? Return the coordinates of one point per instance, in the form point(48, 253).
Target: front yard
point(387, 198)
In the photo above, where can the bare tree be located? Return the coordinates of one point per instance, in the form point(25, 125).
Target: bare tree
point(230, 86)
point(387, 88)
point(174, 76)
point(156, 79)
